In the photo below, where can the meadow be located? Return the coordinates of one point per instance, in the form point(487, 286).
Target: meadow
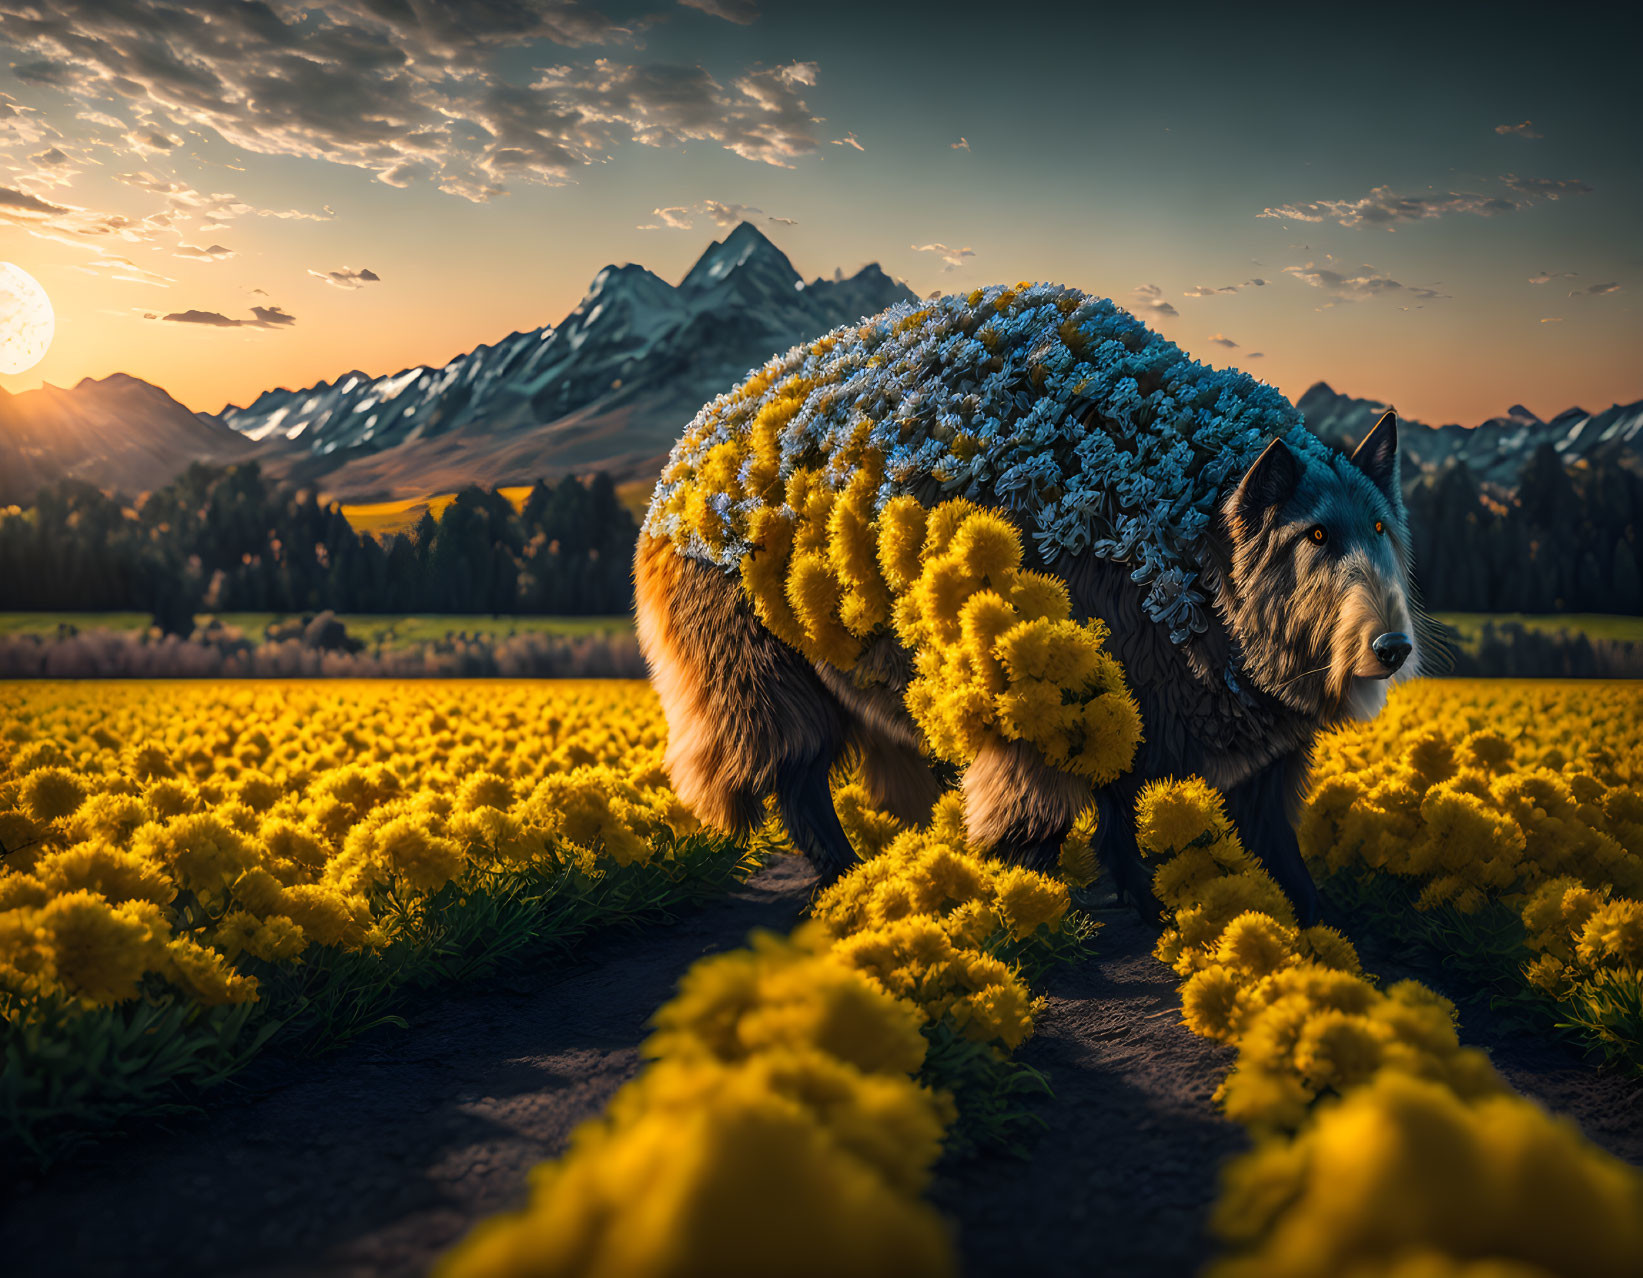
point(196, 875)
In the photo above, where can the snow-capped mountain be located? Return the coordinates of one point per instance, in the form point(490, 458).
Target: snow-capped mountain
point(611, 385)
point(1496, 449)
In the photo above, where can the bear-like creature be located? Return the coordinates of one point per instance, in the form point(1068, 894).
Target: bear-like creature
point(1019, 531)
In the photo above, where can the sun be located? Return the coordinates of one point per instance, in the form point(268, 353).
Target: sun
point(27, 322)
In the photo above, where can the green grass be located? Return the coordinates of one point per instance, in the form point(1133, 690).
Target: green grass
point(391, 631)
point(1594, 625)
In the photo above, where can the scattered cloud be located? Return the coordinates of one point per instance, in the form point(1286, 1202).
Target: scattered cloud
point(849, 139)
point(1384, 207)
point(1366, 282)
point(1597, 290)
point(261, 317)
point(677, 218)
point(1551, 319)
point(151, 141)
point(963, 144)
point(50, 158)
point(724, 215)
point(1150, 299)
point(215, 253)
point(114, 267)
point(1546, 277)
point(953, 258)
point(741, 12)
point(1524, 130)
point(1221, 339)
point(403, 88)
point(1254, 354)
point(347, 278)
point(1204, 290)
point(24, 203)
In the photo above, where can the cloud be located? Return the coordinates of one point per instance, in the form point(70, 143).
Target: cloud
point(1220, 339)
point(115, 267)
point(682, 217)
point(963, 144)
point(213, 210)
point(1204, 290)
point(52, 157)
point(1384, 207)
point(1149, 298)
point(1551, 319)
point(1254, 354)
point(215, 253)
point(1524, 130)
point(1546, 277)
point(149, 141)
point(741, 12)
point(1545, 188)
point(676, 217)
point(1597, 290)
point(728, 215)
point(398, 87)
point(261, 317)
point(348, 279)
point(849, 139)
point(23, 202)
point(953, 257)
point(1367, 282)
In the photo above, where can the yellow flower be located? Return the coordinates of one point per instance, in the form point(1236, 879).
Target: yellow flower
point(48, 794)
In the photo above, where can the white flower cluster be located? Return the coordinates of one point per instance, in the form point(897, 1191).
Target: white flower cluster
point(1106, 436)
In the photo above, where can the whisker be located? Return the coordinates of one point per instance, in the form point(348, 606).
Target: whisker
point(1302, 675)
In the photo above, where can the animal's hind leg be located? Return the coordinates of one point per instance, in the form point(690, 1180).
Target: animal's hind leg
point(806, 804)
point(898, 778)
point(747, 716)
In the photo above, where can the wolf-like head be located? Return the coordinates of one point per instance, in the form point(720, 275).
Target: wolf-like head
point(1320, 597)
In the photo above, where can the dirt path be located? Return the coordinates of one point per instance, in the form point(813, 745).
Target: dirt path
point(373, 1160)
point(1120, 1182)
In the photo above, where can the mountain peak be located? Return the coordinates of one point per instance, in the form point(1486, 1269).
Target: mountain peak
point(745, 248)
point(1519, 411)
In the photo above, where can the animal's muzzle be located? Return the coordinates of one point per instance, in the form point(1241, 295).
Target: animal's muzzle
point(1392, 650)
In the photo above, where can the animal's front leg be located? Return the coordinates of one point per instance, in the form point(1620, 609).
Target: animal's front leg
point(1018, 806)
point(1260, 808)
point(1115, 839)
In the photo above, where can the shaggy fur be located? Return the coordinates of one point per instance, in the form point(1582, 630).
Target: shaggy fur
point(749, 717)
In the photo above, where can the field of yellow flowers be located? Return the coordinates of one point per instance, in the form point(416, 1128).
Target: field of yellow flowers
point(195, 874)
point(789, 1082)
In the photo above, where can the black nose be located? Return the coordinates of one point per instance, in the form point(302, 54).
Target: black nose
point(1392, 650)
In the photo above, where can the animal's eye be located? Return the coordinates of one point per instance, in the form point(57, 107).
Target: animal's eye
point(1317, 534)
point(1380, 528)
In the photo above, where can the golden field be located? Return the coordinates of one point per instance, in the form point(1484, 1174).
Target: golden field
point(190, 851)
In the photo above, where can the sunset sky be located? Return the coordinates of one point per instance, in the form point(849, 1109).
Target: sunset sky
point(225, 197)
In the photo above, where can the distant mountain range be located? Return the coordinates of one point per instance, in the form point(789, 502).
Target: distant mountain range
point(610, 387)
point(1494, 450)
point(119, 432)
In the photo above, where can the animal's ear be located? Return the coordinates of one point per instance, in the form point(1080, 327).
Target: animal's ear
point(1271, 481)
point(1377, 456)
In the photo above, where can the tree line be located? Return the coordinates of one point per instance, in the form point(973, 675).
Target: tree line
point(227, 540)
point(1565, 541)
